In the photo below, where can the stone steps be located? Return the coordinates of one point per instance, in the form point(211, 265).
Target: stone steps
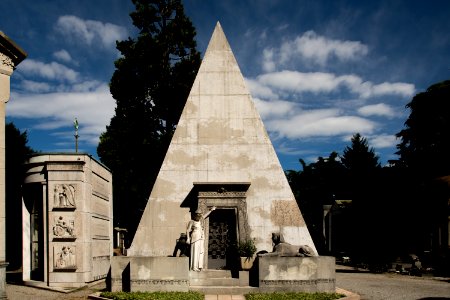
point(212, 278)
point(219, 282)
point(207, 273)
point(215, 282)
point(224, 290)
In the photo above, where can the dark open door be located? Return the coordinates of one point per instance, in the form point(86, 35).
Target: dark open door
point(222, 236)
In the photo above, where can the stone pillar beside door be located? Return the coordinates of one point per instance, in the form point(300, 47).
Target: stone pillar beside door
point(10, 56)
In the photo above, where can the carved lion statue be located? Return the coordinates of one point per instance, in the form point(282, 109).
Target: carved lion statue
point(281, 248)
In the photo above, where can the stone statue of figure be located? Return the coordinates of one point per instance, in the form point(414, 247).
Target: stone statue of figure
point(281, 248)
point(196, 237)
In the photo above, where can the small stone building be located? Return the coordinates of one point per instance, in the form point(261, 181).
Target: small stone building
point(67, 220)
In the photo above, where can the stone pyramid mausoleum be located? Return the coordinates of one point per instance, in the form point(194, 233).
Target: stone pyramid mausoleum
point(220, 155)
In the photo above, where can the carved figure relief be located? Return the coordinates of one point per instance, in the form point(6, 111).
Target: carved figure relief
point(6, 61)
point(63, 228)
point(64, 196)
point(64, 258)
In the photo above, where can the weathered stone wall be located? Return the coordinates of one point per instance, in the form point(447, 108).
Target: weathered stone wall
point(149, 274)
point(297, 274)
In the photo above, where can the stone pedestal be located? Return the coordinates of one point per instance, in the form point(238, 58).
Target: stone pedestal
point(149, 274)
point(297, 274)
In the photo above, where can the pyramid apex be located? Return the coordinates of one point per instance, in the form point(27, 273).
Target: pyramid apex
point(218, 39)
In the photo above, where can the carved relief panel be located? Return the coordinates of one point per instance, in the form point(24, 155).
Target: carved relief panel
point(64, 196)
point(63, 227)
point(64, 257)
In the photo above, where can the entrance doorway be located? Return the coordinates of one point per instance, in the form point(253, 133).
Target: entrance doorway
point(222, 235)
point(32, 197)
point(226, 225)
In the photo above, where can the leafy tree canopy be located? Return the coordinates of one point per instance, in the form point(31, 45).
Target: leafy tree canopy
point(151, 83)
point(425, 140)
point(17, 149)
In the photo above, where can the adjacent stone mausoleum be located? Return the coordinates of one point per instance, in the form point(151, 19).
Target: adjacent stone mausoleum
point(67, 220)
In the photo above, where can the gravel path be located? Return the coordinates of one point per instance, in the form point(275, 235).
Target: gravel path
point(393, 286)
point(20, 292)
point(369, 286)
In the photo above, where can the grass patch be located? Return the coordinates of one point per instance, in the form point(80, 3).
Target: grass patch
point(293, 296)
point(153, 295)
point(200, 296)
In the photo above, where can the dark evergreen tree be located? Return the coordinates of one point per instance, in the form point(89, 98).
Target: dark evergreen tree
point(151, 83)
point(16, 152)
point(359, 157)
point(425, 140)
point(425, 164)
point(318, 184)
point(361, 169)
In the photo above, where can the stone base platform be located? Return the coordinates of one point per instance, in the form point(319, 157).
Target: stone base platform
point(142, 273)
point(269, 274)
point(296, 274)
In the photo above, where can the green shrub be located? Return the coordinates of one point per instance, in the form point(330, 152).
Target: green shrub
point(293, 296)
point(246, 248)
point(153, 295)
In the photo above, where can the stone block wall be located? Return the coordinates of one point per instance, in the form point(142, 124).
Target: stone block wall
point(142, 273)
point(297, 274)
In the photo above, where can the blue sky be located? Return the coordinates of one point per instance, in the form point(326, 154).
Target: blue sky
point(319, 71)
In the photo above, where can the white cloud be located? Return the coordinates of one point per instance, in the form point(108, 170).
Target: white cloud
point(93, 109)
point(35, 87)
point(275, 108)
point(367, 89)
point(383, 141)
point(380, 109)
point(313, 48)
point(320, 122)
point(320, 82)
point(268, 60)
point(51, 71)
point(294, 81)
point(397, 88)
point(62, 55)
point(90, 32)
point(260, 90)
point(86, 86)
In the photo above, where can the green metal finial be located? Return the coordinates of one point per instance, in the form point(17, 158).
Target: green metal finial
point(75, 125)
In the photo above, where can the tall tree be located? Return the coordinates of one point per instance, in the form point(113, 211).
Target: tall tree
point(359, 157)
point(317, 184)
point(424, 157)
point(16, 152)
point(425, 140)
point(363, 185)
point(151, 83)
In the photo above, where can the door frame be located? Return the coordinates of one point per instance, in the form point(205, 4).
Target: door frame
point(224, 196)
